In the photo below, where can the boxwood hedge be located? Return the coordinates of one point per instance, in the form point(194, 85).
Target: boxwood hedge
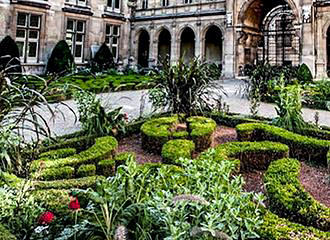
point(289, 199)
point(174, 149)
point(104, 147)
point(252, 155)
point(301, 147)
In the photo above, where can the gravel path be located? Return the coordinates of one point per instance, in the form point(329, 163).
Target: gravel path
point(131, 102)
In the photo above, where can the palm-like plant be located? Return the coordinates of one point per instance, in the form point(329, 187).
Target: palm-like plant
point(22, 110)
point(185, 88)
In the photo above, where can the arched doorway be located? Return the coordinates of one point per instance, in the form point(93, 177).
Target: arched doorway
point(143, 49)
point(328, 52)
point(268, 34)
point(213, 45)
point(187, 45)
point(164, 46)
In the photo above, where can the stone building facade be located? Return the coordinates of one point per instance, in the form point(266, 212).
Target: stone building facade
point(232, 33)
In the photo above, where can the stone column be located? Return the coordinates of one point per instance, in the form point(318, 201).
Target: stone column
point(307, 40)
point(229, 49)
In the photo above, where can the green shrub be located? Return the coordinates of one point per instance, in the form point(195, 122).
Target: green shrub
point(301, 147)
point(174, 149)
point(55, 173)
point(79, 183)
point(86, 170)
point(5, 234)
point(275, 228)
point(10, 180)
point(104, 147)
point(155, 133)
point(61, 59)
point(201, 130)
point(55, 200)
point(59, 153)
point(123, 157)
point(103, 59)
point(232, 120)
point(289, 199)
point(304, 75)
point(79, 143)
point(9, 56)
point(253, 155)
point(106, 167)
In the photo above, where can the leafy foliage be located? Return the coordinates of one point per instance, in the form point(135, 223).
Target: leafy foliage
point(164, 202)
point(289, 107)
point(184, 88)
point(61, 59)
point(9, 56)
point(94, 118)
point(103, 59)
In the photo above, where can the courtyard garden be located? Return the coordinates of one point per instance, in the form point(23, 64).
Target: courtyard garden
point(191, 170)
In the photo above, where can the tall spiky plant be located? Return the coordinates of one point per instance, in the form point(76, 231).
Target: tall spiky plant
point(185, 88)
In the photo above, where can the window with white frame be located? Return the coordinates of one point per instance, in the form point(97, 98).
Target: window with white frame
point(77, 2)
point(114, 5)
point(28, 36)
point(112, 36)
point(144, 4)
point(187, 1)
point(165, 3)
point(75, 37)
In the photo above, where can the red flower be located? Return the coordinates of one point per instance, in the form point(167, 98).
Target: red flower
point(46, 218)
point(74, 204)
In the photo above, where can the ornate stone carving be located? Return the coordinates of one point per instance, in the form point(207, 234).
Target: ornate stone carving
point(306, 14)
point(229, 19)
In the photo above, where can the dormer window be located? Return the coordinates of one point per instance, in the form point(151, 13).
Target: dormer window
point(77, 2)
point(144, 4)
point(165, 3)
point(113, 5)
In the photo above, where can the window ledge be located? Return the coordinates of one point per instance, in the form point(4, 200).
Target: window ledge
point(108, 13)
point(80, 9)
point(32, 3)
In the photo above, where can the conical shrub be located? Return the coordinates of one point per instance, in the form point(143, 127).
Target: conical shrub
point(103, 59)
point(9, 56)
point(61, 59)
point(304, 75)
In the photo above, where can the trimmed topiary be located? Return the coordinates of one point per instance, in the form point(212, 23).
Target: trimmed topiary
point(59, 153)
point(55, 174)
point(201, 130)
point(276, 228)
point(175, 149)
point(103, 59)
point(156, 132)
point(301, 147)
point(61, 59)
point(304, 75)
point(9, 56)
point(5, 234)
point(103, 148)
point(79, 183)
point(106, 167)
point(252, 155)
point(86, 170)
point(123, 157)
point(289, 199)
